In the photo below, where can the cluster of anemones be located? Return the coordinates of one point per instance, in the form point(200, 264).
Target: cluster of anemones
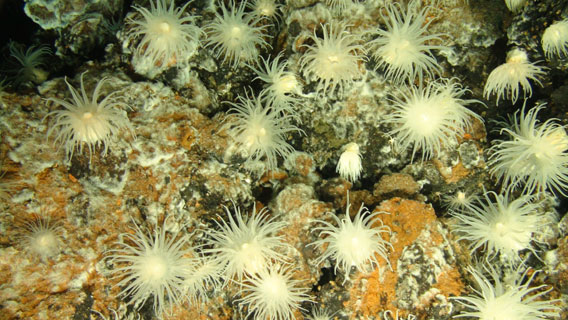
point(354, 242)
point(260, 129)
point(534, 160)
point(434, 115)
point(245, 250)
point(427, 115)
point(167, 34)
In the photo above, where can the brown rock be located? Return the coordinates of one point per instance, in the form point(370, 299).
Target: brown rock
point(396, 184)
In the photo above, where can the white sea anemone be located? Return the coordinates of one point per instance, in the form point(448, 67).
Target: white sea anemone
point(204, 274)
point(389, 315)
point(260, 130)
point(515, 5)
point(430, 117)
point(334, 60)
point(500, 225)
point(8, 184)
point(339, 5)
point(349, 164)
point(3, 87)
point(555, 39)
point(246, 246)
point(506, 80)
point(354, 242)
point(152, 266)
point(535, 155)
point(42, 237)
point(168, 34)
point(500, 300)
point(320, 314)
point(459, 200)
point(236, 35)
point(273, 294)
point(404, 49)
point(451, 93)
point(30, 63)
point(282, 86)
point(88, 122)
point(266, 9)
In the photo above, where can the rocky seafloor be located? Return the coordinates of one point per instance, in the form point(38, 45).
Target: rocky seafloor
point(174, 169)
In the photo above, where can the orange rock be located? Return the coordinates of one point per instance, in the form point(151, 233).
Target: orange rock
point(411, 223)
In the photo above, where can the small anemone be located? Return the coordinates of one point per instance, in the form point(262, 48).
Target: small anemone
point(460, 199)
point(349, 165)
point(389, 315)
point(428, 118)
point(535, 155)
point(168, 33)
point(152, 265)
point(514, 75)
point(8, 182)
point(339, 5)
point(404, 49)
point(43, 236)
point(246, 245)
point(493, 298)
point(354, 242)
point(320, 313)
point(30, 63)
point(281, 86)
point(273, 294)
point(235, 35)
point(268, 9)
point(260, 130)
point(555, 39)
point(86, 121)
point(335, 60)
point(501, 225)
point(516, 6)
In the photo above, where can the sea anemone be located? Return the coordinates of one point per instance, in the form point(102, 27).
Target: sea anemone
point(354, 242)
point(349, 164)
point(152, 266)
point(8, 183)
point(450, 93)
point(500, 226)
point(246, 246)
point(30, 63)
point(515, 5)
point(42, 237)
point(459, 200)
point(273, 294)
point(260, 131)
point(389, 315)
point(281, 85)
point(235, 35)
point(404, 49)
point(86, 121)
point(339, 5)
point(499, 300)
point(204, 274)
point(430, 117)
point(505, 80)
point(536, 154)
point(168, 34)
point(319, 314)
point(266, 9)
point(3, 87)
point(334, 60)
point(555, 39)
